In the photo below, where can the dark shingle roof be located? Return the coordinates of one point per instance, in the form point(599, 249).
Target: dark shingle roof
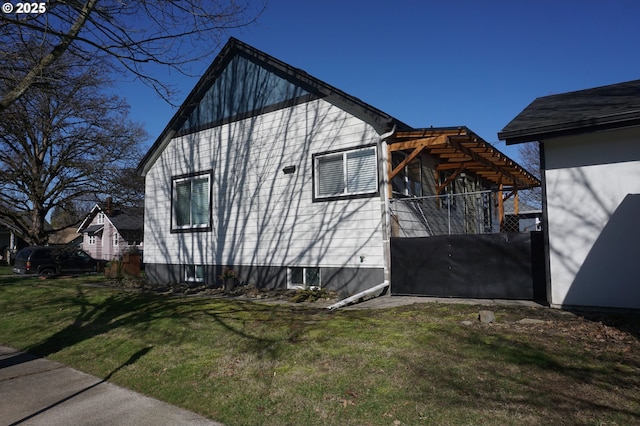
point(600, 108)
point(128, 219)
point(93, 229)
point(124, 219)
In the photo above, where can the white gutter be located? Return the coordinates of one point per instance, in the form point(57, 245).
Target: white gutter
point(386, 232)
point(361, 295)
point(385, 206)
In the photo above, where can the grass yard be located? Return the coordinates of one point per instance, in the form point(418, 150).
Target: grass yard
point(250, 363)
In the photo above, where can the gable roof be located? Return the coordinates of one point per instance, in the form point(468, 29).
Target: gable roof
point(599, 108)
point(127, 219)
point(287, 85)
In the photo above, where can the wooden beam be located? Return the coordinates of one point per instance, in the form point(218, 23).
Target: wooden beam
point(500, 208)
point(406, 161)
point(426, 133)
point(422, 142)
point(389, 167)
point(458, 144)
point(466, 164)
point(448, 180)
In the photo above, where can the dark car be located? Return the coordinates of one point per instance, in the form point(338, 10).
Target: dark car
point(53, 260)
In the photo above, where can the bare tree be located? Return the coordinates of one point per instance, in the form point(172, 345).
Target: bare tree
point(134, 35)
point(128, 187)
point(63, 140)
point(530, 160)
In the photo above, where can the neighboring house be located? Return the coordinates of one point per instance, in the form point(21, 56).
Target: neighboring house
point(10, 242)
point(108, 232)
point(527, 219)
point(590, 156)
point(67, 236)
point(288, 180)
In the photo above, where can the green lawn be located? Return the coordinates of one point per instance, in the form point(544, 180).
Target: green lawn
point(246, 363)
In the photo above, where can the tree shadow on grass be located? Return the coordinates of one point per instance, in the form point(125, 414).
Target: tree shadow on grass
point(507, 374)
point(625, 321)
point(139, 310)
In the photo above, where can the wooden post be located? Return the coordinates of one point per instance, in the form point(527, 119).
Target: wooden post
point(389, 170)
point(501, 208)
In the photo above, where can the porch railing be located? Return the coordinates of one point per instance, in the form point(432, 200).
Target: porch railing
point(451, 214)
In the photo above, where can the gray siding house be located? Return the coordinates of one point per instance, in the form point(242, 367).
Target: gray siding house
point(285, 179)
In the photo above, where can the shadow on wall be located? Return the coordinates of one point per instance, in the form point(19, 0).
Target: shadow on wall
point(610, 274)
point(260, 217)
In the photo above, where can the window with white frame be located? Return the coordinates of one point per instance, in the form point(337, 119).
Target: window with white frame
point(116, 239)
point(191, 204)
point(346, 173)
point(91, 239)
point(304, 277)
point(194, 273)
point(100, 218)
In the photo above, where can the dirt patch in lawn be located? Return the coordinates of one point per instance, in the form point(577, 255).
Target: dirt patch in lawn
point(242, 292)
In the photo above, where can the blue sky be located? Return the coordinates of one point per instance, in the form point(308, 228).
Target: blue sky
point(438, 63)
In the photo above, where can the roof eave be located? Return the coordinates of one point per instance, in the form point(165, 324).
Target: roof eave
point(89, 217)
point(534, 134)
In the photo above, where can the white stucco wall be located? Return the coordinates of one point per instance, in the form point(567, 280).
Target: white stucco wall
point(593, 210)
point(261, 216)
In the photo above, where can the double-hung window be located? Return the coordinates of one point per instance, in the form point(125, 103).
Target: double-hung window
point(191, 203)
point(346, 173)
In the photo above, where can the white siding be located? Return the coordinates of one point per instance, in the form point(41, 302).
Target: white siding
point(593, 207)
point(263, 217)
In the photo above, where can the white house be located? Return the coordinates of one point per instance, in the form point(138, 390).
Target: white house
point(286, 179)
point(590, 156)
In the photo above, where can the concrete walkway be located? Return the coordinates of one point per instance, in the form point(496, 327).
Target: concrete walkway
point(387, 301)
point(37, 391)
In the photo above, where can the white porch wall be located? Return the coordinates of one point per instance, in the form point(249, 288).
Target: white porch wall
point(261, 216)
point(593, 205)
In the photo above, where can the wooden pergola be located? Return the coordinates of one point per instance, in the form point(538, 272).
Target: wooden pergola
point(459, 150)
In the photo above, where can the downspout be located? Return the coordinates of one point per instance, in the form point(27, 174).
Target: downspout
point(385, 204)
point(385, 223)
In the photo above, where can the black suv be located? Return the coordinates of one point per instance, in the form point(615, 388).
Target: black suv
point(53, 260)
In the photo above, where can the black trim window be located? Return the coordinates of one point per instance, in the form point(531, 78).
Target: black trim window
point(346, 173)
point(194, 273)
point(191, 202)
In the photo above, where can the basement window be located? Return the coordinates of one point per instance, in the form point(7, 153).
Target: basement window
point(194, 273)
point(303, 277)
